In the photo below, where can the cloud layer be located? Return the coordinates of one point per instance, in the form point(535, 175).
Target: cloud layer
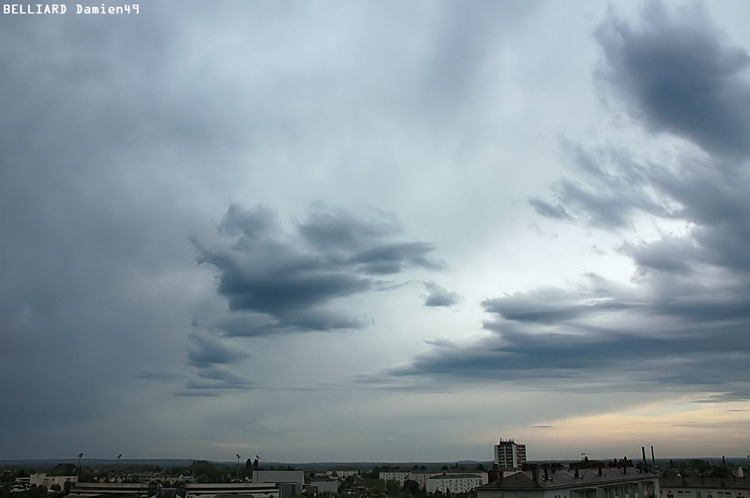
point(684, 318)
point(127, 141)
point(277, 281)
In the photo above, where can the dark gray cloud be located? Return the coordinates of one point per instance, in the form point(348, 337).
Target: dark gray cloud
point(683, 321)
point(608, 189)
point(439, 296)
point(98, 143)
point(214, 380)
point(679, 76)
point(208, 349)
point(278, 280)
point(549, 210)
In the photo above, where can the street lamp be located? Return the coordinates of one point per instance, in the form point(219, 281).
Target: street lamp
point(118, 466)
point(238, 467)
point(80, 455)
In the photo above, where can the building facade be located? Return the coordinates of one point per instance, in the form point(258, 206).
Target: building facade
point(181, 490)
point(422, 477)
point(42, 479)
point(509, 454)
point(399, 477)
point(343, 474)
point(455, 483)
point(705, 487)
point(548, 482)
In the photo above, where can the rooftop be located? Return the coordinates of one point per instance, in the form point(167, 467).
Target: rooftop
point(567, 478)
point(705, 482)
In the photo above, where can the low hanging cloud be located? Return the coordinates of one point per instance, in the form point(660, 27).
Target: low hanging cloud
point(683, 320)
point(439, 296)
point(213, 379)
point(208, 349)
point(679, 76)
point(277, 280)
point(211, 354)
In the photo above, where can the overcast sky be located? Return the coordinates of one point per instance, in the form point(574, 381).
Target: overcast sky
point(376, 230)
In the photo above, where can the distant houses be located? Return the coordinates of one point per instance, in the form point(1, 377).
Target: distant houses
point(510, 477)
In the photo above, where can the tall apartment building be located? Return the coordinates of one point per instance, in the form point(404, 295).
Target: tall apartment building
point(509, 454)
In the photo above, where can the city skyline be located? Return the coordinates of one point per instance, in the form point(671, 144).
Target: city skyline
point(375, 231)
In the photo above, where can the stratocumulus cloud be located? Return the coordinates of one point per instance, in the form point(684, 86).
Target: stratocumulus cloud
point(687, 309)
point(439, 296)
point(278, 280)
point(124, 139)
point(679, 76)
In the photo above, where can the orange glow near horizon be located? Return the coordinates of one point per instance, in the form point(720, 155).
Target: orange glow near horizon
point(676, 429)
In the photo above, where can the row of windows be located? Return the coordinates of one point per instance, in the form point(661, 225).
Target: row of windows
point(709, 494)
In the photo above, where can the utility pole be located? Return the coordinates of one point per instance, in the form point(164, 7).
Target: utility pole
point(118, 467)
point(80, 455)
point(238, 467)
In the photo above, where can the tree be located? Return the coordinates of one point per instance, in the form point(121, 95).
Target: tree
point(720, 472)
point(64, 469)
point(412, 487)
point(392, 487)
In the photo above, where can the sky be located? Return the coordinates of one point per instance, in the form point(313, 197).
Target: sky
point(375, 231)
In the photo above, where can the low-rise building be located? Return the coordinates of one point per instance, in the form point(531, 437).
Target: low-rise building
point(291, 481)
point(320, 487)
point(343, 474)
point(90, 489)
point(182, 490)
point(455, 483)
point(400, 477)
point(422, 476)
point(42, 479)
point(234, 490)
point(704, 487)
point(548, 482)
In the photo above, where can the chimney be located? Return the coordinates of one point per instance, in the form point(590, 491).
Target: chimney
point(535, 474)
point(600, 470)
point(495, 474)
point(546, 472)
point(645, 464)
point(653, 460)
point(577, 476)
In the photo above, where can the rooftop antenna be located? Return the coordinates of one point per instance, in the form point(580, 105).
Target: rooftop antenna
point(80, 455)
